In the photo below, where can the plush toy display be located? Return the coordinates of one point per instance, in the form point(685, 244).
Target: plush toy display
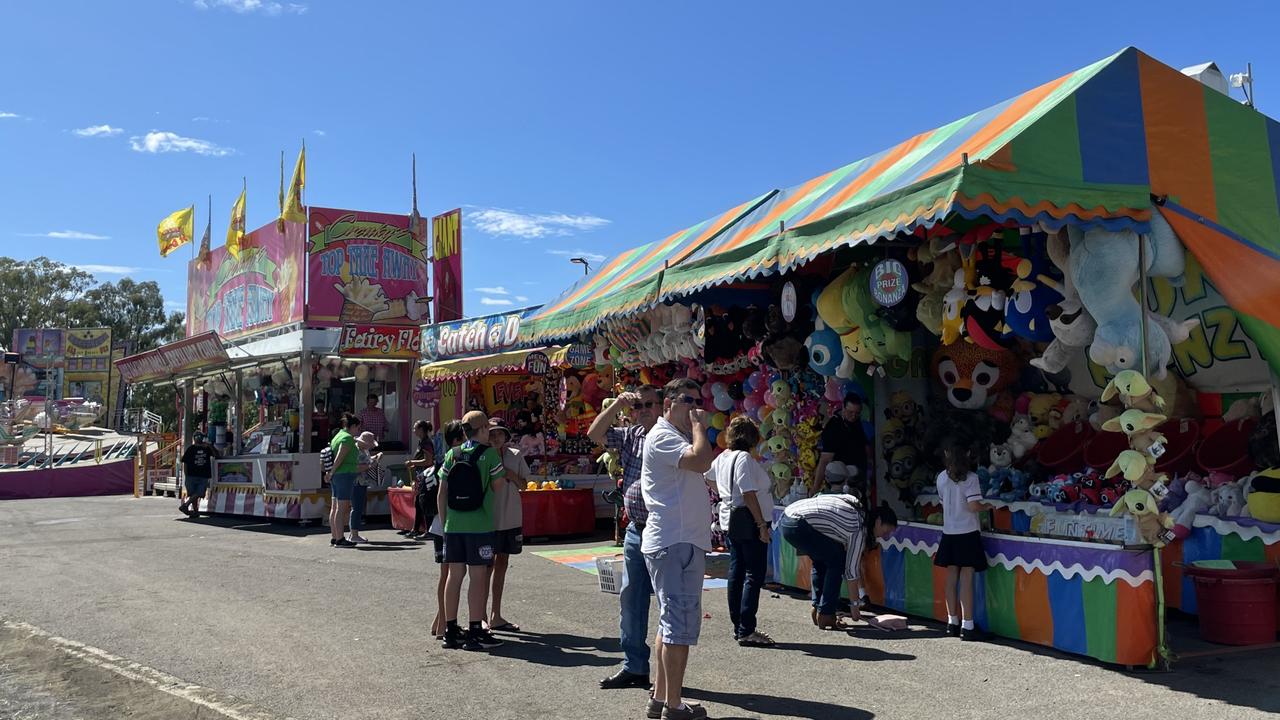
point(953, 302)
point(1105, 267)
point(1154, 527)
point(1139, 469)
point(827, 356)
point(1072, 325)
point(984, 313)
point(1022, 436)
point(1264, 496)
point(836, 307)
point(1134, 391)
point(944, 261)
point(1228, 500)
point(1033, 292)
point(884, 342)
point(974, 377)
point(1140, 427)
point(1198, 500)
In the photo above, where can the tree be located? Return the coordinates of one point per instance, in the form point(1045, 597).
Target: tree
point(133, 310)
point(39, 293)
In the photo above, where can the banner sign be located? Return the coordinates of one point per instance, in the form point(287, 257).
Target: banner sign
point(889, 282)
point(426, 394)
point(40, 371)
point(581, 355)
point(446, 265)
point(476, 336)
point(388, 341)
point(173, 359)
point(88, 364)
point(365, 267)
point(537, 363)
point(259, 291)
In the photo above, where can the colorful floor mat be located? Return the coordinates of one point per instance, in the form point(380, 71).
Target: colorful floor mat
point(584, 559)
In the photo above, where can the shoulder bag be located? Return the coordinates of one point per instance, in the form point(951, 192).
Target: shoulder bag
point(742, 524)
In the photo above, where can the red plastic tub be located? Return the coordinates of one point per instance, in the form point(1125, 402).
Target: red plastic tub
point(1237, 605)
point(1180, 446)
point(1226, 450)
point(1063, 451)
point(1104, 448)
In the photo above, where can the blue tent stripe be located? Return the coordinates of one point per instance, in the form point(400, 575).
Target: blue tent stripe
point(1113, 141)
point(1273, 140)
point(974, 123)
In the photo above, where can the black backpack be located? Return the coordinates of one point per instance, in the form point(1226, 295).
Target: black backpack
point(466, 489)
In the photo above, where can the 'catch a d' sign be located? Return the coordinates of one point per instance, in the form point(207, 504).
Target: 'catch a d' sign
point(889, 282)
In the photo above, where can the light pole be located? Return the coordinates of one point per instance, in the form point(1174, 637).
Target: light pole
point(586, 266)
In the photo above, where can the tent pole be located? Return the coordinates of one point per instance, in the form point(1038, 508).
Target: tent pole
point(1142, 301)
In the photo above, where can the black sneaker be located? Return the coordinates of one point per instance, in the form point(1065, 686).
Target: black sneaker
point(453, 639)
point(973, 634)
point(953, 630)
point(481, 640)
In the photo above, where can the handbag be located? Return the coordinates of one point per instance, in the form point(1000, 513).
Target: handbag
point(742, 524)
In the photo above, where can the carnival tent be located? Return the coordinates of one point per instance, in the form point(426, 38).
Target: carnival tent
point(1103, 145)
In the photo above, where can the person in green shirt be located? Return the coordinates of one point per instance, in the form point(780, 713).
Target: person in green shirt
point(469, 534)
point(342, 478)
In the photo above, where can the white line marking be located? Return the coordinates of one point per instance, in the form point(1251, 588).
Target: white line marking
point(58, 522)
point(230, 708)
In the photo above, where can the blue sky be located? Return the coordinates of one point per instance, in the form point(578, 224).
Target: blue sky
point(561, 128)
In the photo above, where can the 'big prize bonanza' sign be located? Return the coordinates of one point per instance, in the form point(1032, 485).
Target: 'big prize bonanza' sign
point(380, 341)
point(365, 268)
point(260, 290)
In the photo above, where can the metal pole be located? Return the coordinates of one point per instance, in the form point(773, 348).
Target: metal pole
point(1142, 298)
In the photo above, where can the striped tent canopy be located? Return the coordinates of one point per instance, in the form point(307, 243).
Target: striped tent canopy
point(1089, 148)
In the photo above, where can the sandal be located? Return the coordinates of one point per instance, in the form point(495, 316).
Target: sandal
point(756, 639)
point(509, 627)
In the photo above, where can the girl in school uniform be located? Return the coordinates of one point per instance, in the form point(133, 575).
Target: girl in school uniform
point(960, 550)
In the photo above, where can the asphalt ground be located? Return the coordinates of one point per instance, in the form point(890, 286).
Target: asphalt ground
point(120, 608)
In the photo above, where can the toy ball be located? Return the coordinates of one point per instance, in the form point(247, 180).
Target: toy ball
point(750, 405)
point(770, 399)
point(707, 393)
point(718, 421)
point(722, 440)
point(712, 434)
point(723, 403)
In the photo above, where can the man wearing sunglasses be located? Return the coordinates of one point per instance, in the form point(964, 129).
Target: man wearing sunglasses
point(643, 406)
point(677, 536)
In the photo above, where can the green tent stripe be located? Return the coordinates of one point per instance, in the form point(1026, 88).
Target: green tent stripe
point(1266, 336)
point(919, 583)
point(1244, 182)
point(1100, 613)
point(1235, 547)
point(1002, 611)
point(1053, 142)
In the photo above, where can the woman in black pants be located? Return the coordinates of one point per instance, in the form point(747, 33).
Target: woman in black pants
point(424, 482)
point(746, 509)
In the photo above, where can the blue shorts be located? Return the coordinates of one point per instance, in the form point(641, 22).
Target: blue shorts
point(676, 572)
point(196, 486)
point(342, 485)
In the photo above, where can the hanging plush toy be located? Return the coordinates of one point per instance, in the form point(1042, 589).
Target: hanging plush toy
point(953, 303)
point(985, 310)
point(1026, 312)
point(836, 306)
point(1140, 427)
point(884, 342)
point(944, 261)
point(1154, 527)
point(826, 355)
point(1139, 470)
point(1134, 391)
point(974, 377)
point(1105, 267)
point(1072, 325)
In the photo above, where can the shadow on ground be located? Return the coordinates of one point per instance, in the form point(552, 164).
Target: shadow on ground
point(774, 705)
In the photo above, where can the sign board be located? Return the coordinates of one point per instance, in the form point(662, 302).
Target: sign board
point(173, 359)
point(477, 336)
point(88, 365)
point(365, 267)
point(537, 363)
point(387, 341)
point(426, 394)
point(889, 282)
point(1086, 526)
point(789, 301)
point(581, 355)
point(260, 290)
point(446, 265)
point(43, 359)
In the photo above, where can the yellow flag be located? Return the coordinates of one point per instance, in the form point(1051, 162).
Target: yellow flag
point(293, 210)
point(235, 231)
point(176, 230)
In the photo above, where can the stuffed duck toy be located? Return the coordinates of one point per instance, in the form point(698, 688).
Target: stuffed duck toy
point(1104, 266)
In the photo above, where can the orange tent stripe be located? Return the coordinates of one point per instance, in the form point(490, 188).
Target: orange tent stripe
point(939, 593)
point(709, 231)
point(1177, 137)
point(873, 576)
point(603, 272)
point(866, 178)
point(1031, 603)
point(771, 218)
point(1000, 123)
point(1244, 276)
point(1135, 623)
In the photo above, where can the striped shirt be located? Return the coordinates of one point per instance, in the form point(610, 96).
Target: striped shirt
point(838, 517)
point(629, 442)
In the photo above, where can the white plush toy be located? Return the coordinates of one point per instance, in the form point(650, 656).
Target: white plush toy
point(1022, 436)
point(1228, 500)
point(1073, 326)
point(1198, 500)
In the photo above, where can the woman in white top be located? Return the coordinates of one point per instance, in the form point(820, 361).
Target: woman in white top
point(746, 507)
point(960, 549)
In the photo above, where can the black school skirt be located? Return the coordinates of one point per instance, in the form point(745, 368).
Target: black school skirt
point(962, 551)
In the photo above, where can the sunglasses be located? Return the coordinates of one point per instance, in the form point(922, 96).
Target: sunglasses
point(686, 400)
point(648, 404)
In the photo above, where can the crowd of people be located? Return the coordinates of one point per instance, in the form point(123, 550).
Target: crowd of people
point(468, 506)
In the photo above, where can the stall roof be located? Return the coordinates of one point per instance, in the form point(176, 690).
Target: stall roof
point(1090, 147)
point(509, 361)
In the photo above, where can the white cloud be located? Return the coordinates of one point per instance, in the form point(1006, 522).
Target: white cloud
point(9, 115)
point(589, 256)
point(98, 131)
point(493, 290)
point(110, 269)
point(496, 221)
point(166, 142)
point(321, 133)
point(266, 7)
point(521, 298)
point(67, 235)
point(495, 301)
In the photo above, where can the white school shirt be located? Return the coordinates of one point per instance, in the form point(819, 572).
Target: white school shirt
point(746, 475)
point(678, 503)
point(957, 518)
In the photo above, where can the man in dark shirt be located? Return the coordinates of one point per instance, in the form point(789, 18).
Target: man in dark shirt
point(197, 468)
point(843, 440)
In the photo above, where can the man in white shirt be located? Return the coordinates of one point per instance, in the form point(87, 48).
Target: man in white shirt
point(677, 537)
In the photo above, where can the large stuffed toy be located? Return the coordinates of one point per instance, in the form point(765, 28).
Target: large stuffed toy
point(1034, 291)
point(826, 355)
point(833, 309)
point(1072, 325)
point(944, 262)
point(1105, 267)
point(974, 377)
point(984, 313)
point(884, 342)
